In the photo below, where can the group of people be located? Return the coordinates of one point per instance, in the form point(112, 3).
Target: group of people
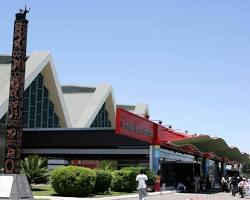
point(188, 184)
point(196, 184)
point(235, 185)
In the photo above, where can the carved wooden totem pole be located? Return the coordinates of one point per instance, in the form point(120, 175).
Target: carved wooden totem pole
point(15, 110)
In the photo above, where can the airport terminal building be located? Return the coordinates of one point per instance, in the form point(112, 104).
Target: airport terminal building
point(77, 125)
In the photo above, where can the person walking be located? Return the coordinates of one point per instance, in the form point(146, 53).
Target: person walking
point(234, 186)
point(241, 186)
point(142, 186)
point(196, 183)
point(208, 184)
point(223, 184)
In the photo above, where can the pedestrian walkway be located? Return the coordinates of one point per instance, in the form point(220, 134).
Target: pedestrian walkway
point(197, 197)
point(101, 198)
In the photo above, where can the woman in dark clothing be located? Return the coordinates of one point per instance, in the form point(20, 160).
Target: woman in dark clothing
point(234, 186)
point(208, 184)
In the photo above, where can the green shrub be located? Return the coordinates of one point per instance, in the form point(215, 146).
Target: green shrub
point(150, 174)
point(103, 181)
point(134, 169)
point(35, 168)
point(123, 181)
point(73, 180)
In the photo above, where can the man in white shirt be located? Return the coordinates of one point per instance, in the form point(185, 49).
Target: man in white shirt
point(241, 186)
point(142, 186)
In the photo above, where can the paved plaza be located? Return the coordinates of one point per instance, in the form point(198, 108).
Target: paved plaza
point(179, 196)
point(171, 196)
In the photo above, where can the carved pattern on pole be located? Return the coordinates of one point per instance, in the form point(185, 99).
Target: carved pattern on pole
point(15, 110)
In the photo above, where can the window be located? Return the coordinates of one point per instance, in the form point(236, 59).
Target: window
point(101, 119)
point(51, 114)
point(38, 110)
point(3, 120)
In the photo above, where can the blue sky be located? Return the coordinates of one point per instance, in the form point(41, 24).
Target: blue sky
point(188, 59)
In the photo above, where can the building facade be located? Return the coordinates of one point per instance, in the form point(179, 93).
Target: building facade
point(82, 125)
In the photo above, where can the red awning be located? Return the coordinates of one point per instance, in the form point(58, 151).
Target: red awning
point(169, 135)
point(134, 126)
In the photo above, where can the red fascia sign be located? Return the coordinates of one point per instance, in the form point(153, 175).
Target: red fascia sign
point(134, 126)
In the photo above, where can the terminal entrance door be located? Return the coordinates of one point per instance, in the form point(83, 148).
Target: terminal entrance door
point(173, 173)
point(177, 167)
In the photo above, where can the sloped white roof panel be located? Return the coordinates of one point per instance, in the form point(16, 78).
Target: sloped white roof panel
point(76, 103)
point(5, 75)
point(4, 84)
point(84, 103)
point(97, 100)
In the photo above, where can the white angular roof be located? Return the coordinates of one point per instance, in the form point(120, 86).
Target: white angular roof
point(76, 99)
point(84, 103)
point(76, 106)
point(38, 62)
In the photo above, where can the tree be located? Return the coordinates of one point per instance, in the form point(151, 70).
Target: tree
point(245, 170)
point(35, 168)
point(246, 167)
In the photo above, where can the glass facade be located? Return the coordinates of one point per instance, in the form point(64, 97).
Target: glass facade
point(38, 110)
point(101, 119)
point(3, 120)
point(213, 170)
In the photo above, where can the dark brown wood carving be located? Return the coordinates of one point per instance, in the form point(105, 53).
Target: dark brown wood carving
point(15, 110)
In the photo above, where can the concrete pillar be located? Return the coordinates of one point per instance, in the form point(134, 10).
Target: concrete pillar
point(154, 157)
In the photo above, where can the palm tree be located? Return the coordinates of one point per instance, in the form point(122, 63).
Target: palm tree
point(35, 168)
point(106, 165)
